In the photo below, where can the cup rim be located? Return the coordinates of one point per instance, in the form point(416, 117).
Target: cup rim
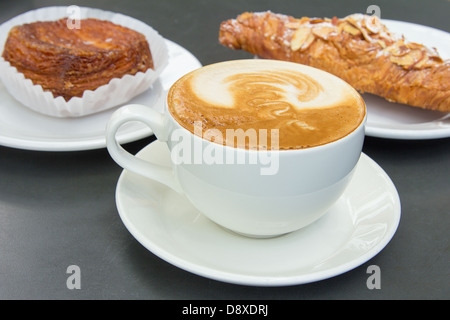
point(361, 125)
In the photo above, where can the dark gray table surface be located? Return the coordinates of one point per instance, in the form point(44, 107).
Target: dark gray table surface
point(58, 208)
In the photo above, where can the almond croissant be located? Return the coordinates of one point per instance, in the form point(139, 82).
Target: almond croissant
point(358, 49)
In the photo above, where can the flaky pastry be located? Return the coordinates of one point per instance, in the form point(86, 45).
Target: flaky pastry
point(68, 61)
point(358, 48)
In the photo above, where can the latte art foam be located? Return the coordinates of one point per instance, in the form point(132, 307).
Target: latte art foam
point(309, 107)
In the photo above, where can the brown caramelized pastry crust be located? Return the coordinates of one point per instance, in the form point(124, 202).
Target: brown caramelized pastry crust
point(69, 61)
point(358, 49)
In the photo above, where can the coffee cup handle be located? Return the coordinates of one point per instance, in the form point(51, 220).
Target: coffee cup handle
point(156, 122)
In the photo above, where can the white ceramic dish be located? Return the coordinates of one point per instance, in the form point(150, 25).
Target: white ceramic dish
point(23, 128)
point(397, 121)
point(358, 227)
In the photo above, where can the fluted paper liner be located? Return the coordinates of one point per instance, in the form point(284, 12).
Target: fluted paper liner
point(116, 92)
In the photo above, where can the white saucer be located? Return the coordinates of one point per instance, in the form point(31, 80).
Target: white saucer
point(359, 226)
point(397, 121)
point(22, 128)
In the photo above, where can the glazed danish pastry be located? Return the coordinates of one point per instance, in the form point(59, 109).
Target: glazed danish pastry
point(69, 61)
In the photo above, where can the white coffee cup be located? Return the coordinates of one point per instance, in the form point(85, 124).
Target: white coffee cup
point(262, 194)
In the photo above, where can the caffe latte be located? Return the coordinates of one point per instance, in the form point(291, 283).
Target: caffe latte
point(292, 105)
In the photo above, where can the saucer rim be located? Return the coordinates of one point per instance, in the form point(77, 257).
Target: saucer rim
point(257, 280)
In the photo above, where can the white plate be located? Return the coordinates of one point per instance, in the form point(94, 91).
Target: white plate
point(397, 121)
point(23, 128)
point(358, 226)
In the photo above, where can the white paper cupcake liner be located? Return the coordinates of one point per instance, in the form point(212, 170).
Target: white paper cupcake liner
point(116, 92)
